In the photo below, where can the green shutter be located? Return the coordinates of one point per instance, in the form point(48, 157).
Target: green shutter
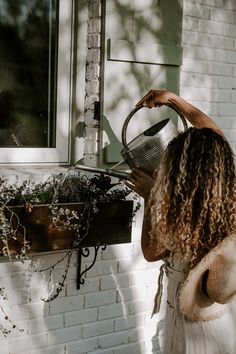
point(142, 51)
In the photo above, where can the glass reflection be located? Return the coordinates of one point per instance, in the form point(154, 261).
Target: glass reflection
point(28, 57)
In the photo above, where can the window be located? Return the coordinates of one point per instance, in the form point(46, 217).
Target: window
point(35, 67)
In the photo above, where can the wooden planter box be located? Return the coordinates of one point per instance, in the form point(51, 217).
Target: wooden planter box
point(111, 225)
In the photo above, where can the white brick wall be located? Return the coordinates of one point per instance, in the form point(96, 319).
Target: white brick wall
point(110, 314)
point(209, 63)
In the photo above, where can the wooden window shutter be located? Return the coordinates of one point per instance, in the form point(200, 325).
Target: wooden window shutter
point(142, 51)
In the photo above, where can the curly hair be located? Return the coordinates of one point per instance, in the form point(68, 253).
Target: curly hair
point(193, 201)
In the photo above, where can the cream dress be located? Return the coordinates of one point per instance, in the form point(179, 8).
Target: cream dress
point(183, 336)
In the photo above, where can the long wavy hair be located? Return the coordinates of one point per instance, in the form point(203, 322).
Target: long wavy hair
point(193, 201)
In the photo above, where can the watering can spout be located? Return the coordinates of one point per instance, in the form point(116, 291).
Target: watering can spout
point(109, 172)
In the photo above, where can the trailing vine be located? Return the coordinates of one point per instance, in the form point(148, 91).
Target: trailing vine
point(71, 187)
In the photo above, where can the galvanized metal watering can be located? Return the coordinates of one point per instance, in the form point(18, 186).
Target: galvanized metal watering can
point(145, 151)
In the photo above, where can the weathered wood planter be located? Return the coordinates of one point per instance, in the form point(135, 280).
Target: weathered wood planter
point(111, 225)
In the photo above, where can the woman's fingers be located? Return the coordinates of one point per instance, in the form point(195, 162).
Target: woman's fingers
point(154, 98)
point(140, 183)
point(149, 100)
point(144, 99)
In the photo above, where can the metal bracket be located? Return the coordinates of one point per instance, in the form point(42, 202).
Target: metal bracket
point(85, 252)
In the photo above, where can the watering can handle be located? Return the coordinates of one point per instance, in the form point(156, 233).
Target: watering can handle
point(127, 120)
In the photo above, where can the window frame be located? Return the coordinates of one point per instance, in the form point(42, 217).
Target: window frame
point(62, 151)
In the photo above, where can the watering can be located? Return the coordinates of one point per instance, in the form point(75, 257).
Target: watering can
point(145, 151)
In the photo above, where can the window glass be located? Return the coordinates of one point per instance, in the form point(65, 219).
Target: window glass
point(28, 68)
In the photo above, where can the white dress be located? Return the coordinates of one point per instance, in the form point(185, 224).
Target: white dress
point(183, 336)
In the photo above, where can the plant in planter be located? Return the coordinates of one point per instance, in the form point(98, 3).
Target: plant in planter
point(66, 212)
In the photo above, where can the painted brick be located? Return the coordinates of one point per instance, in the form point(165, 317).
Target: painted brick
point(197, 11)
point(12, 267)
point(111, 311)
point(200, 39)
point(127, 294)
point(229, 57)
point(102, 268)
point(63, 335)
point(126, 323)
point(30, 310)
point(118, 251)
point(101, 298)
point(91, 285)
point(230, 135)
point(124, 265)
point(220, 15)
point(37, 293)
point(211, 54)
point(210, 26)
point(89, 117)
point(229, 30)
point(46, 261)
point(97, 328)
point(91, 160)
point(219, 95)
point(91, 147)
point(210, 108)
point(95, 9)
point(191, 65)
point(94, 26)
point(186, 79)
point(16, 297)
point(92, 87)
point(22, 344)
point(229, 5)
point(190, 23)
point(80, 317)
point(195, 93)
point(227, 109)
point(92, 133)
point(199, 80)
point(139, 306)
point(220, 42)
point(143, 277)
point(66, 304)
point(234, 71)
point(227, 83)
point(55, 349)
point(220, 69)
point(103, 351)
point(113, 340)
point(233, 96)
point(93, 40)
point(83, 346)
point(45, 323)
point(215, 3)
point(115, 281)
point(5, 347)
point(222, 122)
point(132, 348)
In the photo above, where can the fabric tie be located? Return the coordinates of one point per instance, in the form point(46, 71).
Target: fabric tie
point(157, 300)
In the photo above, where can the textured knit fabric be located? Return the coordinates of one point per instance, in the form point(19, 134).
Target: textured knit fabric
point(183, 336)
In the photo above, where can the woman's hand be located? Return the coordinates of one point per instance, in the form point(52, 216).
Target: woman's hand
point(155, 98)
point(140, 182)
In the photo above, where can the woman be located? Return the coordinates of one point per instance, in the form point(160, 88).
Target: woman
point(189, 221)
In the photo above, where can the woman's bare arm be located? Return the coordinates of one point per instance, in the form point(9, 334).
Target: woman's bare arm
point(142, 184)
point(150, 254)
point(197, 118)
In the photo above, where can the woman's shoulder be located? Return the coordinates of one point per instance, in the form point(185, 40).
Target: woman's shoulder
point(220, 266)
